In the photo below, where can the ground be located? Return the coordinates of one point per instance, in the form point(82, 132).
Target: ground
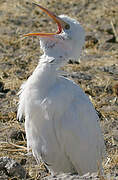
point(96, 73)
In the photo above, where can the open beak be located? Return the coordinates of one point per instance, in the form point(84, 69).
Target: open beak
point(60, 23)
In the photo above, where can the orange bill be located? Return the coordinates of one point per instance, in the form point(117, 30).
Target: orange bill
point(60, 23)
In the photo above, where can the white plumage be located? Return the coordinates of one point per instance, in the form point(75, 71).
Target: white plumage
point(62, 127)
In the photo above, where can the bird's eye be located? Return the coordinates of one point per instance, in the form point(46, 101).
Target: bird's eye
point(67, 26)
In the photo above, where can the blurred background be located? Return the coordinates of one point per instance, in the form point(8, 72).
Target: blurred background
point(96, 72)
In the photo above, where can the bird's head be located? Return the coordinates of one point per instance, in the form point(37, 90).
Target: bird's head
point(64, 44)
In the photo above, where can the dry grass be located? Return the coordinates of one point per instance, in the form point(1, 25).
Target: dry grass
point(19, 57)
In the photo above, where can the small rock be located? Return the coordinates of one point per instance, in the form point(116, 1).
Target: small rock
point(83, 76)
point(12, 168)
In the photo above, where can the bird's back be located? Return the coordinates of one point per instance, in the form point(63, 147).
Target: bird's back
point(82, 134)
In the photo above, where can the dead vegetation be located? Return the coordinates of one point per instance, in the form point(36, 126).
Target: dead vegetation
point(97, 73)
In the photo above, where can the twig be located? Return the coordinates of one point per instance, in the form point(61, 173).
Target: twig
point(15, 145)
point(22, 147)
point(114, 31)
point(14, 150)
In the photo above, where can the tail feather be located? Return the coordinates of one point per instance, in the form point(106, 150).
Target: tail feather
point(21, 104)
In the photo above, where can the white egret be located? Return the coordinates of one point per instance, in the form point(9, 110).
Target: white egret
point(62, 127)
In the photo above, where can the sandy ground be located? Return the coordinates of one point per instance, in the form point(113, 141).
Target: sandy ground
point(97, 73)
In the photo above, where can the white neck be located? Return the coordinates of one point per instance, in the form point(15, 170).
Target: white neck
point(53, 62)
point(56, 48)
point(44, 75)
